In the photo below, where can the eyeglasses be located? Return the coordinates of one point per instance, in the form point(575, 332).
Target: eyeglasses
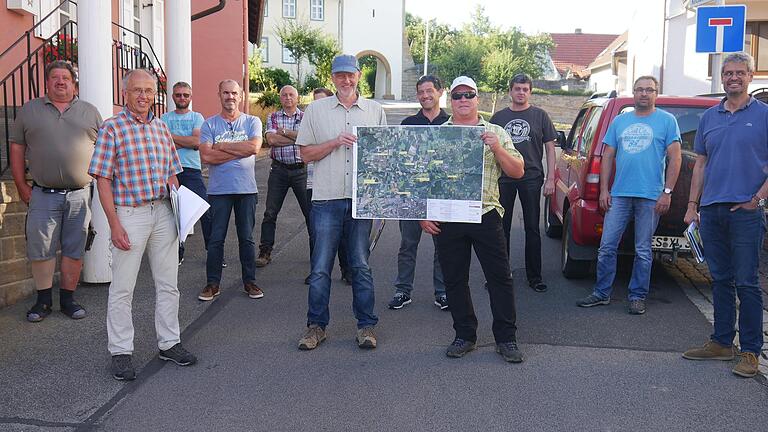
point(141, 91)
point(739, 73)
point(465, 95)
point(186, 95)
point(647, 90)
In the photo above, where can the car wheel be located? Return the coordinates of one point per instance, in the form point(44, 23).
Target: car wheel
point(571, 268)
point(552, 227)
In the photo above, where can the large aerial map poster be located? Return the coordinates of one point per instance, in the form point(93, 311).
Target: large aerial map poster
point(418, 172)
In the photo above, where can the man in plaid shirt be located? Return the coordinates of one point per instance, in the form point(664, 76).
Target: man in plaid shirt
point(134, 163)
point(455, 240)
point(288, 170)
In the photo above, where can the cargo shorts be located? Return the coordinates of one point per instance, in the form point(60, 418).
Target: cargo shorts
point(57, 220)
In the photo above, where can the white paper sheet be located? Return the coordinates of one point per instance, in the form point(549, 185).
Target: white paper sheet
point(454, 210)
point(188, 207)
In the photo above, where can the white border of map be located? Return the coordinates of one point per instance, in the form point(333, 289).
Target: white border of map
point(461, 151)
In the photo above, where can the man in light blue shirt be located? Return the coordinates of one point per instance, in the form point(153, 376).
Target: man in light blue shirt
point(639, 141)
point(184, 125)
point(229, 142)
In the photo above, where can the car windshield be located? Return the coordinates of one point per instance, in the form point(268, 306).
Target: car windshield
point(687, 119)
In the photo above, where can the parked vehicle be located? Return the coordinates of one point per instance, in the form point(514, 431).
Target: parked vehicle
point(573, 211)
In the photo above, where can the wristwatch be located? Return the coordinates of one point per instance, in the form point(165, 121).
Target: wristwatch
point(667, 190)
point(761, 202)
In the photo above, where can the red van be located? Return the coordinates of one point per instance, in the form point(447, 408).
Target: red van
point(573, 212)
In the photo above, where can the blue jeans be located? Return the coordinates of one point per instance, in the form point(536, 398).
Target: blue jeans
point(192, 179)
point(732, 242)
point(245, 220)
point(332, 224)
point(410, 235)
point(280, 180)
point(622, 210)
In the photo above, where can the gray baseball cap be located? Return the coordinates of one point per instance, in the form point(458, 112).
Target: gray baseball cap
point(345, 63)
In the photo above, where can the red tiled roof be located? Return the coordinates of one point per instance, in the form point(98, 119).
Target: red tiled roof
point(575, 51)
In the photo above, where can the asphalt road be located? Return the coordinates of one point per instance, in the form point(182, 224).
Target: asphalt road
point(593, 369)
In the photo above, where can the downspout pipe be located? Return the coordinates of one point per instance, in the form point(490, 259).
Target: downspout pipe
point(210, 11)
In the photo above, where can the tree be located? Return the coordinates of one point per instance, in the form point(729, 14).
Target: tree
point(440, 36)
point(498, 67)
point(300, 39)
point(464, 58)
point(321, 57)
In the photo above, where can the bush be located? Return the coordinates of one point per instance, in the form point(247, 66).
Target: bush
point(312, 82)
point(269, 98)
point(263, 79)
point(367, 83)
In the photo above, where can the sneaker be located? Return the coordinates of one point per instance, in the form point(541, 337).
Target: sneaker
point(711, 351)
point(265, 257)
point(253, 291)
point(314, 336)
point(592, 300)
point(399, 300)
point(122, 368)
point(181, 260)
point(747, 366)
point(178, 355)
point(637, 307)
point(73, 310)
point(510, 352)
point(38, 312)
point(366, 338)
point(459, 347)
point(209, 292)
point(538, 286)
point(441, 302)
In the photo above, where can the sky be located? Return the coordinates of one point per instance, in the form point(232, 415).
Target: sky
point(537, 16)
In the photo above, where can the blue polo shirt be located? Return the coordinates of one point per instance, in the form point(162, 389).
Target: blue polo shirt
point(736, 147)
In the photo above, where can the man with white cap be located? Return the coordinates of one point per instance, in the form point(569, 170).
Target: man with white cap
point(326, 138)
point(456, 240)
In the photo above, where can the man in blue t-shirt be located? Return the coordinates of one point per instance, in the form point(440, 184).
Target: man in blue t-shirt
point(229, 142)
point(729, 186)
point(639, 141)
point(184, 125)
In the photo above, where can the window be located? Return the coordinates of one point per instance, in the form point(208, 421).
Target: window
point(590, 130)
point(755, 44)
point(317, 10)
point(289, 8)
point(264, 48)
point(287, 56)
point(574, 133)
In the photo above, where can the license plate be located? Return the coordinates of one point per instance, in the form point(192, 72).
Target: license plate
point(665, 243)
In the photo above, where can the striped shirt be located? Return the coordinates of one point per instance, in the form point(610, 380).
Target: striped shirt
point(138, 155)
point(287, 154)
point(491, 169)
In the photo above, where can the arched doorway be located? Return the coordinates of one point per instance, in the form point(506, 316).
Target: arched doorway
point(383, 82)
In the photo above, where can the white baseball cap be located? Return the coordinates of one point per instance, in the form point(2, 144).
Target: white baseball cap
point(464, 80)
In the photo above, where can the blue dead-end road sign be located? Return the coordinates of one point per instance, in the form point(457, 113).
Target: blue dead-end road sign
point(720, 29)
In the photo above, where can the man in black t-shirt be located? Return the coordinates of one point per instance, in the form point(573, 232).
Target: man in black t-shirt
point(428, 90)
point(532, 131)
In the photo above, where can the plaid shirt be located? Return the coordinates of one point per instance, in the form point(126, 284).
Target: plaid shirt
point(288, 154)
point(491, 169)
point(137, 155)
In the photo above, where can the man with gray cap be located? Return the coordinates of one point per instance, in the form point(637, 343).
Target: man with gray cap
point(326, 138)
point(455, 240)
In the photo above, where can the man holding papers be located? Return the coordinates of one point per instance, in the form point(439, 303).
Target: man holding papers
point(134, 163)
point(729, 188)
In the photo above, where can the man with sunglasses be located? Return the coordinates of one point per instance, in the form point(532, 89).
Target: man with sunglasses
point(641, 142)
point(531, 131)
point(184, 125)
point(729, 188)
point(456, 240)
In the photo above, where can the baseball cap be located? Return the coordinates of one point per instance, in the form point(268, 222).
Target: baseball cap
point(344, 63)
point(464, 80)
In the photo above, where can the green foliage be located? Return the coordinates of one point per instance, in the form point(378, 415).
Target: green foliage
point(440, 37)
point(312, 82)
point(321, 57)
point(269, 98)
point(367, 83)
point(464, 58)
point(300, 39)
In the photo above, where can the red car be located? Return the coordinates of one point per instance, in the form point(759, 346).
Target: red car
point(573, 211)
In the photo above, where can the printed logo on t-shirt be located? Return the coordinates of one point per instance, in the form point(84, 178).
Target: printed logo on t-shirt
point(231, 136)
point(519, 130)
point(636, 138)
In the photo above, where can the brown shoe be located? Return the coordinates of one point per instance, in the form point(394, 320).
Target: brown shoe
point(265, 257)
point(711, 351)
point(209, 292)
point(253, 291)
point(314, 336)
point(366, 338)
point(747, 366)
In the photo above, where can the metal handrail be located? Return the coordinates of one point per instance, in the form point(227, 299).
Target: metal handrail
point(149, 44)
point(22, 37)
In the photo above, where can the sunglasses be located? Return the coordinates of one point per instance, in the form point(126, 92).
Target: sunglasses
point(186, 95)
point(465, 95)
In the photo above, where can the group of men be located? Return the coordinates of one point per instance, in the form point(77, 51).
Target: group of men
point(136, 158)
